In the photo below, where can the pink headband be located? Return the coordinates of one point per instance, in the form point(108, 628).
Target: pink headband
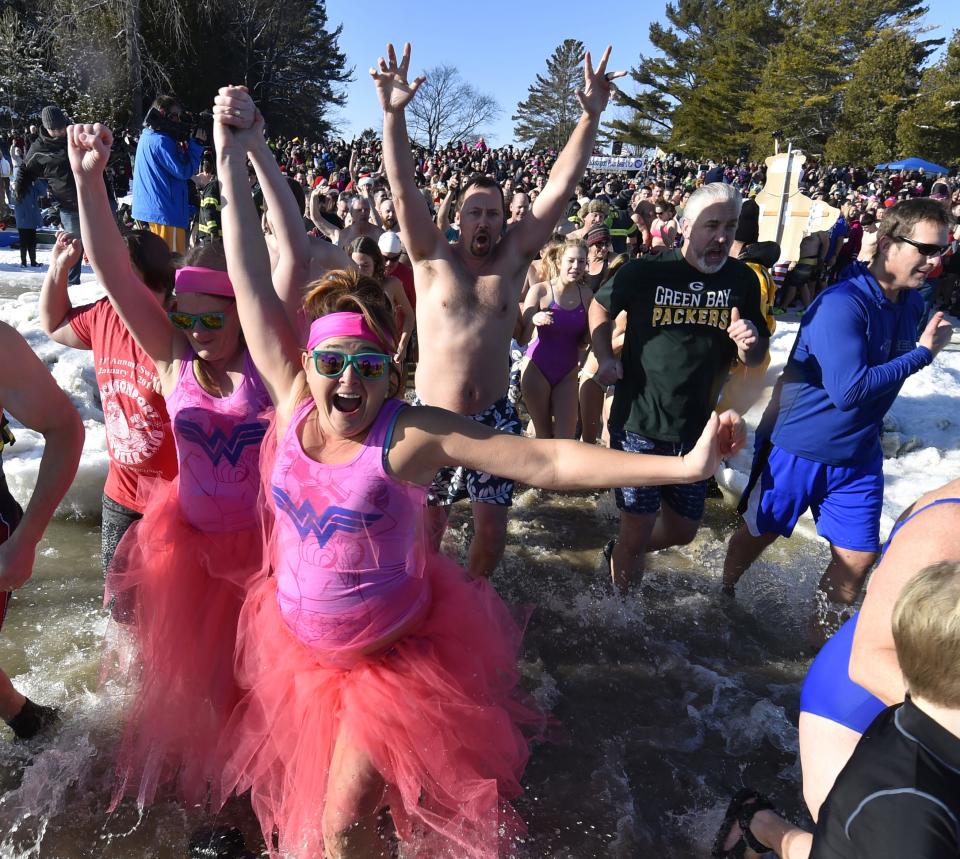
point(341, 325)
point(207, 281)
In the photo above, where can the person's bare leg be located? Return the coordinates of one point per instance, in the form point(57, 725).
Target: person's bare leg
point(742, 550)
point(605, 420)
point(355, 792)
point(436, 521)
point(563, 404)
point(489, 538)
point(786, 839)
point(591, 411)
point(11, 701)
point(825, 748)
point(839, 587)
point(536, 397)
point(627, 561)
point(672, 529)
point(845, 574)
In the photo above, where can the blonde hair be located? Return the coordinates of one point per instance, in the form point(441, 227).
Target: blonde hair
point(616, 262)
point(553, 252)
point(550, 258)
point(926, 632)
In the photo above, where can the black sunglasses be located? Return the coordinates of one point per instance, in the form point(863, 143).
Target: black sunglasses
point(925, 249)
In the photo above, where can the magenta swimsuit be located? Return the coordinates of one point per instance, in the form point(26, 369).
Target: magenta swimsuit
point(348, 554)
point(555, 348)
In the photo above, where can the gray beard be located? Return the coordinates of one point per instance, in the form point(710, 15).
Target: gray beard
point(706, 268)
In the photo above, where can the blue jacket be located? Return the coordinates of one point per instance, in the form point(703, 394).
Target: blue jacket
point(27, 211)
point(854, 350)
point(160, 175)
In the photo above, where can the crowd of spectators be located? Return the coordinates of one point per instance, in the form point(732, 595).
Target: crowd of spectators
point(641, 209)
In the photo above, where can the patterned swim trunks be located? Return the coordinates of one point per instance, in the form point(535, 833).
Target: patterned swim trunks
point(456, 483)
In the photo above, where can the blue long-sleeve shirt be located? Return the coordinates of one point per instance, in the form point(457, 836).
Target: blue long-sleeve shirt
point(854, 350)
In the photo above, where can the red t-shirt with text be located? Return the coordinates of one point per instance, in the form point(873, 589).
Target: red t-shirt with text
point(139, 438)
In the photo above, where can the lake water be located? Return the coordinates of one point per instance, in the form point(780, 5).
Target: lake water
point(669, 700)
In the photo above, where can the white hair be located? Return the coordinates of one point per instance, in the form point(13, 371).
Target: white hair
point(706, 195)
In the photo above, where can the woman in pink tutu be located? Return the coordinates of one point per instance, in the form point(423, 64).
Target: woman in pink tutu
point(379, 674)
point(180, 574)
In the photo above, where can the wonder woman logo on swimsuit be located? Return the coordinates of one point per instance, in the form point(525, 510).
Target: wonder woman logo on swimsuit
point(218, 444)
point(334, 519)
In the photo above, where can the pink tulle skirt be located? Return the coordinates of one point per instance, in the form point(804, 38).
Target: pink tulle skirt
point(438, 715)
point(179, 592)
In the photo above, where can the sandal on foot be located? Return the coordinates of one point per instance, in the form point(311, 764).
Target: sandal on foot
point(744, 805)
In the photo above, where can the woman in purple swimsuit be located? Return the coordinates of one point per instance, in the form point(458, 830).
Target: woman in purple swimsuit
point(557, 311)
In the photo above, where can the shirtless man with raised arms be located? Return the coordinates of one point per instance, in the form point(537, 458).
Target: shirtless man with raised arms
point(467, 292)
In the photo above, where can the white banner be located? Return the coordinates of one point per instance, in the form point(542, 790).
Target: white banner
point(608, 163)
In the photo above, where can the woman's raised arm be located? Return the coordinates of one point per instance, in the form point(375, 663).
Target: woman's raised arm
point(292, 270)
point(89, 149)
point(267, 330)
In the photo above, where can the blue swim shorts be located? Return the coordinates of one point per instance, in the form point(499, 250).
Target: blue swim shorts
point(845, 501)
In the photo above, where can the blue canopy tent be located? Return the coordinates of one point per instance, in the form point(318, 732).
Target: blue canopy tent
point(913, 164)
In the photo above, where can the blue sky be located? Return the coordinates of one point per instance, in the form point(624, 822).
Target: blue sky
point(499, 46)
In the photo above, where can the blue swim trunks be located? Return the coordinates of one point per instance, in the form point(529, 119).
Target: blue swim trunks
point(687, 499)
point(846, 502)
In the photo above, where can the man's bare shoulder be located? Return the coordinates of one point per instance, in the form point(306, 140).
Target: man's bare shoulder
point(328, 254)
point(443, 259)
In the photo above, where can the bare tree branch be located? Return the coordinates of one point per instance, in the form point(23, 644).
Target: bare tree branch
point(448, 108)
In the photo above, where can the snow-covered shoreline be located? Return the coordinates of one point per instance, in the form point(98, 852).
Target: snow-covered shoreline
point(73, 370)
point(922, 446)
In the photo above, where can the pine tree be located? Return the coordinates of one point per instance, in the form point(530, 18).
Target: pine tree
point(103, 60)
point(24, 80)
point(547, 117)
point(692, 94)
point(637, 131)
point(883, 83)
point(801, 91)
point(281, 49)
point(930, 127)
